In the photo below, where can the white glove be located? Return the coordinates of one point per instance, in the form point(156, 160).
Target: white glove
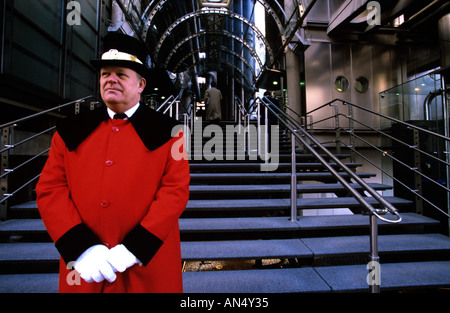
point(93, 266)
point(121, 258)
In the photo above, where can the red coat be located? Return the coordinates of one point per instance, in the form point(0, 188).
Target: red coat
point(111, 183)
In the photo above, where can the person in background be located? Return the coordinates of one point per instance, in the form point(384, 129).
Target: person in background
point(213, 97)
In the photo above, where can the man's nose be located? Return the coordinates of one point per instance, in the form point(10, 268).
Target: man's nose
point(112, 78)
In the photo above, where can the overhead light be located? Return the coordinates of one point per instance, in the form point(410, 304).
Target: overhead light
point(214, 3)
point(399, 20)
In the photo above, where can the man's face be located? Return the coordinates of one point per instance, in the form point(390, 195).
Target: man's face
point(120, 87)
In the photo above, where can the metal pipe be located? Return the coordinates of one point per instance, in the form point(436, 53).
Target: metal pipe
point(9, 147)
point(266, 134)
point(374, 263)
point(353, 192)
point(293, 180)
point(44, 112)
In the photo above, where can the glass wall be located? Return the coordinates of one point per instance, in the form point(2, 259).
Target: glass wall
point(417, 100)
point(46, 48)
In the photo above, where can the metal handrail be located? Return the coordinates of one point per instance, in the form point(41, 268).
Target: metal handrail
point(299, 130)
point(381, 115)
point(169, 103)
point(8, 147)
point(392, 177)
point(298, 133)
point(351, 133)
point(15, 145)
point(45, 112)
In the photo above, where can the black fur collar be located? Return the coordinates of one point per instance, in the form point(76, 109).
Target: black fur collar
point(154, 128)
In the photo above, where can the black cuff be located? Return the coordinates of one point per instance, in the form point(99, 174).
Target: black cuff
point(77, 240)
point(142, 243)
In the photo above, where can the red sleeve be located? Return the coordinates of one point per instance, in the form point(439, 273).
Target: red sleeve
point(57, 210)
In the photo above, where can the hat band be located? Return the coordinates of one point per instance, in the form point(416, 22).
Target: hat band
point(114, 54)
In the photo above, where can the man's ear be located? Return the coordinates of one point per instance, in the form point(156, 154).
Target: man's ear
point(142, 84)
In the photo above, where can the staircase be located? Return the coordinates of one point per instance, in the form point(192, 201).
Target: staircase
point(237, 236)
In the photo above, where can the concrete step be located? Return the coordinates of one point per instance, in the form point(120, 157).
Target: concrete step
point(284, 204)
point(269, 189)
point(403, 244)
point(29, 283)
point(30, 208)
point(259, 225)
point(264, 177)
point(303, 223)
point(255, 281)
point(242, 158)
point(213, 167)
point(244, 249)
point(406, 245)
point(347, 278)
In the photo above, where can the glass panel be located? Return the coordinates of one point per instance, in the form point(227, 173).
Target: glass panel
point(416, 100)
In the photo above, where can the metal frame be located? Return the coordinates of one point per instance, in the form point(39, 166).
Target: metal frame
point(201, 12)
point(224, 49)
point(157, 7)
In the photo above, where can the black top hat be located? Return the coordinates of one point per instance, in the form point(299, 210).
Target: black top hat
point(125, 51)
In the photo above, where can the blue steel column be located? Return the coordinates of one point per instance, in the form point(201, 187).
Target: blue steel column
point(293, 69)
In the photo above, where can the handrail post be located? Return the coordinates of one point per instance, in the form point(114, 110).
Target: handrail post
point(266, 134)
point(249, 137)
point(186, 133)
point(193, 115)
point(78, 106)
point(352, 131)
point(338, 128)
point(293, 180)
point(258, 126)
point(374, 276)
point(4, 165)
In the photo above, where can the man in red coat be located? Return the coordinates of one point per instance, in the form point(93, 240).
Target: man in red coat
point(111, 191)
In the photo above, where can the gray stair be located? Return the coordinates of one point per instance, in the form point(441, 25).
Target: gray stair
point(280, 204)
point(303, 224)
point(346, 278)
point(238, 213)
point(271, 177)
point(275, 188)
point(256, 166)
point(253, 204)
point(407, 244)
point(255, 281)
point(244, 224)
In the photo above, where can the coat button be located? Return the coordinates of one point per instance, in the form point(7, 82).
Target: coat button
point(115, 129)
point(104, 204)
point(109, 163)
